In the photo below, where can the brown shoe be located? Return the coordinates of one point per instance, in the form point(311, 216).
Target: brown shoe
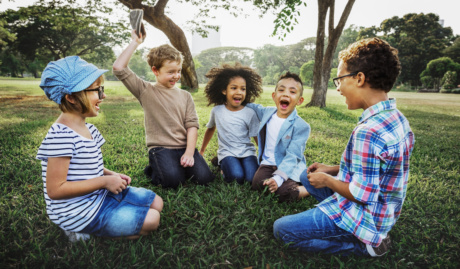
point(381, 250)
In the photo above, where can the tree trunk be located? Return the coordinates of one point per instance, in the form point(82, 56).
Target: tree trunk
point(156, 17)
point(323, 60)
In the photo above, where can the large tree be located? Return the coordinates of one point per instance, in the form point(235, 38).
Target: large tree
point(323, 58)
point(53, 30)
point(419, 39)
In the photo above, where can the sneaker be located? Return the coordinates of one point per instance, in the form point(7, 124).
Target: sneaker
point(74, 237)
point(381, 250)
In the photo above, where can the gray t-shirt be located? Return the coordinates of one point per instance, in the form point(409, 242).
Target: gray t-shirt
point(234, 131)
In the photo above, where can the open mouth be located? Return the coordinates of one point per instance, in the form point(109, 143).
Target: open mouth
point(237, 99)
point(284, 104)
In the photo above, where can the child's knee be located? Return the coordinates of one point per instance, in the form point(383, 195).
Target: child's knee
point(157, 203)
point(151, 222)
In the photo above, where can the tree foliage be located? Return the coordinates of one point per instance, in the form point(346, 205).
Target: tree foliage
point(419, 38)
point(435, 71)
point(50, 30)
point(216, 56)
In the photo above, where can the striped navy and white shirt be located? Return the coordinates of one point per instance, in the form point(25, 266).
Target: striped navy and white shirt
point(86, 162)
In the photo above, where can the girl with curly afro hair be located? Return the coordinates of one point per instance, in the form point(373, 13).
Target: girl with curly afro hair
point(229, 89)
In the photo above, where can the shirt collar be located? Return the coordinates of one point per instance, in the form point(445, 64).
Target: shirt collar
point(390, 104)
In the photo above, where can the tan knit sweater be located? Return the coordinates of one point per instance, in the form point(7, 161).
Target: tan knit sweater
point(168, 113)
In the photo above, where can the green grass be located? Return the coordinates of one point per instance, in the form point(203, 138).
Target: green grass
point(223, 225)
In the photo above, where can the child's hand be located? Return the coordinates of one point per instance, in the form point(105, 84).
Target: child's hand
point(318, 167)
point(271, 183)
point(126, 178)
point(115, 183)
point(134, 37)
point(318, 179)
point(187, 160)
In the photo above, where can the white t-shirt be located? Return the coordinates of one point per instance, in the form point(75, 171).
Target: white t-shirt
point(268, 158)
point(76, 213)
point(234, 131)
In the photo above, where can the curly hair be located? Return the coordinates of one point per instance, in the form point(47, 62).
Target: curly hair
point(376, 59)
point(219, 78)
point(165, 52)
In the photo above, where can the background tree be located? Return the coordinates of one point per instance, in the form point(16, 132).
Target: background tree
point(53, 30)
point(436, 69)
point(216, 56)
point(306, 72)
point(323, 53)
point(419, 39)
point(453, 51)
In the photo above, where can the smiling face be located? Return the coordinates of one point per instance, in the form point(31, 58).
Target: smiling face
point(93, 100)
point(348, 89)
point(287, 96)
point(169, 73)
point(235, 93)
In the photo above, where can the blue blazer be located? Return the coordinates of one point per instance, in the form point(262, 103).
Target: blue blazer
point(290, 144)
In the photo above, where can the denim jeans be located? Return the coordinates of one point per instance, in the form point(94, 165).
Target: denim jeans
point(239, 169)
point(121, 214)
point(169, 173)
point(313, 231)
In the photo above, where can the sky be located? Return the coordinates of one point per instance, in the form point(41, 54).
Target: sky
point(254, 32)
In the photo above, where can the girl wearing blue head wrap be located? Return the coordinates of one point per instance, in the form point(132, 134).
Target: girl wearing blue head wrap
point(82, 196)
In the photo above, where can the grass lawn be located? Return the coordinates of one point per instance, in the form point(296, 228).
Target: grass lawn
point(222, 225)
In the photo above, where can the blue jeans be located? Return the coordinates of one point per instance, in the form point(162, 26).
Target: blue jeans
point(121, 214)
point(239, 169)
point(313, 231)
point(169, 173)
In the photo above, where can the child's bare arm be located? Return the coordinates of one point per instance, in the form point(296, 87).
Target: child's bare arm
point(332, 170)
point(207, 137)
point(123, 59)
point(58, 187)
point(187, 159)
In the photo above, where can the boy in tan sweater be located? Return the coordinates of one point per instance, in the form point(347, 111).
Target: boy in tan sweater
point(170, 119)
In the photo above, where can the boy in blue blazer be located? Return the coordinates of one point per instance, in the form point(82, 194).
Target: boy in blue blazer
point(282, 138)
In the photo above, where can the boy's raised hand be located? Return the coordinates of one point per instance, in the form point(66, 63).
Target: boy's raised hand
point(139, 39)
point(271, 183)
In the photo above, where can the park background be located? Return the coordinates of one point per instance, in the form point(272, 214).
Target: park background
point(227, 225)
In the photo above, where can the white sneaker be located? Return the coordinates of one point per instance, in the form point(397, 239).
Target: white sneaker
point(74, 237)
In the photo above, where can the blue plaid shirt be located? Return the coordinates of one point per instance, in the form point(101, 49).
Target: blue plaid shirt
point(376, 164)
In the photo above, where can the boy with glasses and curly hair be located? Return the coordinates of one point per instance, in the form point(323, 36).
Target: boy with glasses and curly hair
point(360, 199)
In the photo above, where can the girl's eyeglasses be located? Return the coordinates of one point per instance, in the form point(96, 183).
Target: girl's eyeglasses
point(100, 91)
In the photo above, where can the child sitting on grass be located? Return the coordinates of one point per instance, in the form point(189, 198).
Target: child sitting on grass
point(81, 195)
point(282, 138)
point(170, 119)
point(229, 88)
point(361, 199)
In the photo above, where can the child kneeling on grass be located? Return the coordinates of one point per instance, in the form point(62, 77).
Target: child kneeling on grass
point(229, 88)
point(81, 195)
point(359, 207)
point(170, 119)
point(282, 138)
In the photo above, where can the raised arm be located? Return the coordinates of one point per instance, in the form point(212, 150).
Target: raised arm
point(123, 59)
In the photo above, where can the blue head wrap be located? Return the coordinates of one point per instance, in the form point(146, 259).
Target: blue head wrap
point(68, 75)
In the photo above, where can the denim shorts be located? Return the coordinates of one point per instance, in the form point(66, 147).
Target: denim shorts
point(121, 214)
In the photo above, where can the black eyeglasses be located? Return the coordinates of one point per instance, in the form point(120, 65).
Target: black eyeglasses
point(337, 80)
point(100, 91)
